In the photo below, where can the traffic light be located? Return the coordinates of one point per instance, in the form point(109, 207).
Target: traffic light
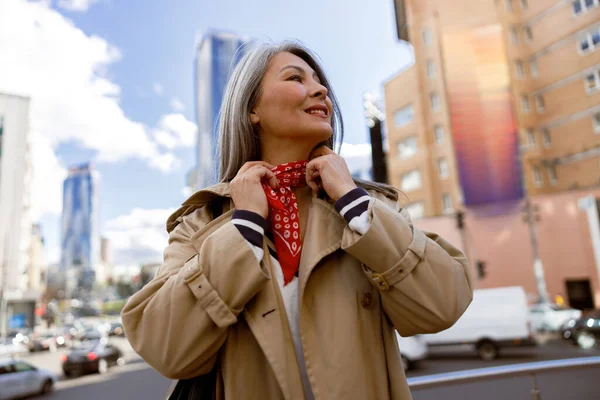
point(460, 220)
point(481, 269)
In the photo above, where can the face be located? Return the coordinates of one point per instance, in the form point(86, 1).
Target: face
point(293, 102)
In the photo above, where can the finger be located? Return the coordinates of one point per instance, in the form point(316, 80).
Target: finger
point(264, 173)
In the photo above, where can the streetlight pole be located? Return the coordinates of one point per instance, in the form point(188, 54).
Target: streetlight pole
point(375, 118)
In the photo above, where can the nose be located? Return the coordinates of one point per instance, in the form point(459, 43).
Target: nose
point(319, 91)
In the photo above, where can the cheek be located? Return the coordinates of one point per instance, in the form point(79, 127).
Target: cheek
point(286, 98)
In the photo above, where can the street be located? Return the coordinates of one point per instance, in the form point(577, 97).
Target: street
point(136, 380)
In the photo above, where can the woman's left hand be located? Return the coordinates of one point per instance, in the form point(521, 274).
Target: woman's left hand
point(330, 169)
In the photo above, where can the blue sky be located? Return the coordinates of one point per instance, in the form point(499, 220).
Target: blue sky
point(108, 77)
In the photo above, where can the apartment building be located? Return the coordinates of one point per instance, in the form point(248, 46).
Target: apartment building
point(493, 82)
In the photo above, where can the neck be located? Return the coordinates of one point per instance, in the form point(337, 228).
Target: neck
point(278, 151)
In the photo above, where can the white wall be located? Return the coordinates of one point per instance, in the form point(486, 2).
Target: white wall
point(15, 225)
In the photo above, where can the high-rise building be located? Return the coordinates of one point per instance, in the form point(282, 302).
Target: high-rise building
point(493, 79)
point(16, 302)
point(80, 239)
point(217, 55)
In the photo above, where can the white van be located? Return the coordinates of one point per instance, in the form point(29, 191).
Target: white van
point(412, 349)
point(495, 319)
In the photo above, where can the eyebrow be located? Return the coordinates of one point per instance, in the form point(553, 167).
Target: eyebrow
point(300, 69)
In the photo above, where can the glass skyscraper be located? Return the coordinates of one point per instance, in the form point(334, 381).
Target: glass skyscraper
point(217, 55)
point(80, 239)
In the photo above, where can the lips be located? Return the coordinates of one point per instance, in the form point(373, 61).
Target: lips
point(319, 110)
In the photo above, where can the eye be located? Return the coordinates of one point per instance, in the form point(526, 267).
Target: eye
point(296, 78)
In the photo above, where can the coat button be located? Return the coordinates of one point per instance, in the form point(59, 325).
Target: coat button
point(367, 300)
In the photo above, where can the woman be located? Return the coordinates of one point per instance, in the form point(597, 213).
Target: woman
point(288, 277)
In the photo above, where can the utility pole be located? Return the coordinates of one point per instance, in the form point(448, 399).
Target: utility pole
point(460, 225)
point(531, 217)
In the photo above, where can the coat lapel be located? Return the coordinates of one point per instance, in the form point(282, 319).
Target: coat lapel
point(323, 236)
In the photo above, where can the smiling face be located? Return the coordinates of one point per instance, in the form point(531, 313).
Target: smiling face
point(293, 103)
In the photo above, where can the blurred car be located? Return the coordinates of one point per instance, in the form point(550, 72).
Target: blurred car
point(19, 378)
point(116, 329)
point(89, 357)
point(583, 332)
point(43, 341)
point(412, 349)
point(549, 317)
point(90, 334)
point(9, 347)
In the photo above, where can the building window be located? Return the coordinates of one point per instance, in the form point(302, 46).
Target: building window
point(404, 116)
point(439, 134)
point(524, 4)
point(537, 177)
point(582, 6)
point(416, 210)
point(592, 82)
point(533, 67)
point(547, 138)
point(525, 104)
point(430, 69)
point(427, 39)
point(519, 69)
point(530, 134)
point(508, 5)
point(407, 148)
point(589, 41)
point(443, 169)
point(447, 203)
point(435, 101)
point(514, 35)
point(411, 181)
point(539, 103)
point(552, 175)
point(528, 33)
point(596, 122)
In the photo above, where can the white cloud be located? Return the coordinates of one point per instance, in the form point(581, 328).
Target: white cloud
point(157, 88)
point(358, 158)
point(76, 5)
point(48, 177)
point(177, 105)
point(63, 70)
point(175, 130)
point(186, 191)
point(138, 237)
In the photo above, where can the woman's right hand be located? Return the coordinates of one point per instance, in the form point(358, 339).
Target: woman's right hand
point(246, 188)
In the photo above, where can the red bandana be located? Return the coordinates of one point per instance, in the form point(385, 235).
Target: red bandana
point(284, 216)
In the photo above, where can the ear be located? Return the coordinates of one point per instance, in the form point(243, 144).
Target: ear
point(254, 119)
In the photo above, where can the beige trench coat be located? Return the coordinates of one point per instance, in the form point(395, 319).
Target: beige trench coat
point(211, 301)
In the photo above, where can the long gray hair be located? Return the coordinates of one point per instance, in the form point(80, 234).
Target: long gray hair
point(239, 140)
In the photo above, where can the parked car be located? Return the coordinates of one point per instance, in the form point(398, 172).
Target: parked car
point(584, 331)
point(116, 329)
point(549, 317)
point(90, 357)
point(43, 341)
point(20, 378)
point(495, 319)
point(8, 347)
point(412, 349)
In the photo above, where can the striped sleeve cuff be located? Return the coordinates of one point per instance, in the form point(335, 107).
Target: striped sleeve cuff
point(252, 227)
point(353, 203)
point(353, 206)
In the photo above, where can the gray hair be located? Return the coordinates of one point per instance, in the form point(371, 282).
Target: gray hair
point(239, 141)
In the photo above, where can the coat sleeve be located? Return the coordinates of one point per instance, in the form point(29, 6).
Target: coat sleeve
point(424, 281)
point(180, 319)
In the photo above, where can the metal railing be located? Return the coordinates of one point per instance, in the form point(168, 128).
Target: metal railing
point(505, 371)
